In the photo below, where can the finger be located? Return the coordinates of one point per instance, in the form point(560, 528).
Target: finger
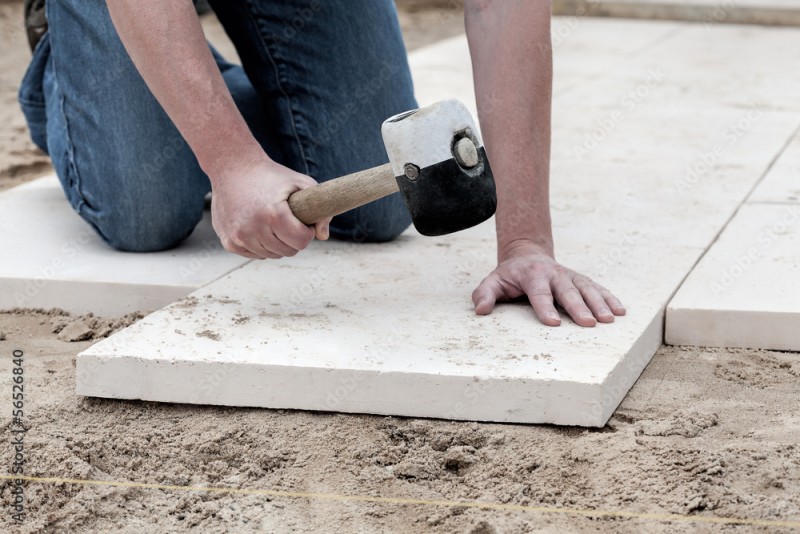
point(541, 298)
point(486, 294)
point(265, 245)
point(617, 308)
point(241, 251)
point(322, 229)
point(292, 232)
point(571, 299)
point(276, 245)
point(594, 299)
point(613, 302)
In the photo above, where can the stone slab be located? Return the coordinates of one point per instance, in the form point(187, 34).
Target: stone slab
point(390, 329)
point(767, 12)
point(745, 291)
point(782, 182)
point(50, 258)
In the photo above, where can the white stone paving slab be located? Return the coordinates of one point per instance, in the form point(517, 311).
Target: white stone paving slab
point(782, 182)
point(390, 329)
point(50, 258)
point(746, 289)
point(772, 12)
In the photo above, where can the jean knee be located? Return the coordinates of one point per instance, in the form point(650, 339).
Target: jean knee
point(147, 226)
point(378, 222)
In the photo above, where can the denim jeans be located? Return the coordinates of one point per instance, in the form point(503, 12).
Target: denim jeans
point(317, 79)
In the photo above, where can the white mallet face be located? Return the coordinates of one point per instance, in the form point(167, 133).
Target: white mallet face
point(425, 137)
point(438, 159)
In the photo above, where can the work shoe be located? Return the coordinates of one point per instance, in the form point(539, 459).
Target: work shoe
point(35, 21)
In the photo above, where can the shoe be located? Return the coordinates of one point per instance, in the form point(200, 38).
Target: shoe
point(35, 21)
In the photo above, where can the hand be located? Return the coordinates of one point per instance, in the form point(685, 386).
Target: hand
point(251, 216)
point(526, 268)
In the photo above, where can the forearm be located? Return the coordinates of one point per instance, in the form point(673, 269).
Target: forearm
point(512, 64)
point(166, 43)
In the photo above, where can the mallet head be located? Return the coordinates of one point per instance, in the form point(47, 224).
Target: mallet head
point(441, 168)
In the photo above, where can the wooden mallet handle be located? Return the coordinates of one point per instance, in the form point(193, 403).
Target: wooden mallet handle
point(342, 194)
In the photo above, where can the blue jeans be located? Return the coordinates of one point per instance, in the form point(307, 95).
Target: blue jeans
point(318, 77)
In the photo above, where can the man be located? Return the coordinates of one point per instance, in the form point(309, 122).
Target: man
point(142, 118)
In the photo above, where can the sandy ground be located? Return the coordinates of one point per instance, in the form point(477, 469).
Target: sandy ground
point(703, 434)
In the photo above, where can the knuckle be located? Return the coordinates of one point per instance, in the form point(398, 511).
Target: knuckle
point(541, 292)
point(270, 216)
point(580, 280)
point(571, 294)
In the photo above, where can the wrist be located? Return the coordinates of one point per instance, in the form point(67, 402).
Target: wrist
point(521, 222)
point(525, 246)
point(224, 163)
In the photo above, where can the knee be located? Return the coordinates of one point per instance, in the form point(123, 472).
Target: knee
point(149, 226)
point(378, 222)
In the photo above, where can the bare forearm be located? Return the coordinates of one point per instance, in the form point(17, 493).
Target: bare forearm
point(512, 63)
point(166, 43)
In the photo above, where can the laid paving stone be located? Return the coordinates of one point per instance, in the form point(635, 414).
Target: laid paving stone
point(745, 290)
point(770, 12)
point(50, 258)
point(640, 189)
point(782, 182)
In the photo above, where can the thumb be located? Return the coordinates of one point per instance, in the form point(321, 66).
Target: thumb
point(322, 229)
point(486, 294)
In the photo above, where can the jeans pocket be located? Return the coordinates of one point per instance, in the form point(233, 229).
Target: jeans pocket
point(31, 93)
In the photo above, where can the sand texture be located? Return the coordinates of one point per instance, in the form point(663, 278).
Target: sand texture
point(703, 432)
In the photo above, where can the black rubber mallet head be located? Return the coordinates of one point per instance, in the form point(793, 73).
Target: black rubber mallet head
point(436, 160)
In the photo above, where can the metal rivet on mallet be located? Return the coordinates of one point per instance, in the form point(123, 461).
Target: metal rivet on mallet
point(411, 171)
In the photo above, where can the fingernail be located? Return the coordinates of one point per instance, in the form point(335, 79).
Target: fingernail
point(586, 315)
point(553, 315)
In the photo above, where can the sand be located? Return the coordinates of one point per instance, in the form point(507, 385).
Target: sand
point(704, 433)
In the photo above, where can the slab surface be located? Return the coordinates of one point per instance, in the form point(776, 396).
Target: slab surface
point(782, 183)
point(771, 12)
point(654, 150)
point(50, 258)
point(745, 291)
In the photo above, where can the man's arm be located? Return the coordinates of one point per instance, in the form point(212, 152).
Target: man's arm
point(250, 213)
point(512, 62)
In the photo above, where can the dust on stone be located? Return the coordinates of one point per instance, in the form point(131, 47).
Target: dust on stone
point(239, 318)
point(185, 303)
point(209, 334)
point(222, 300)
